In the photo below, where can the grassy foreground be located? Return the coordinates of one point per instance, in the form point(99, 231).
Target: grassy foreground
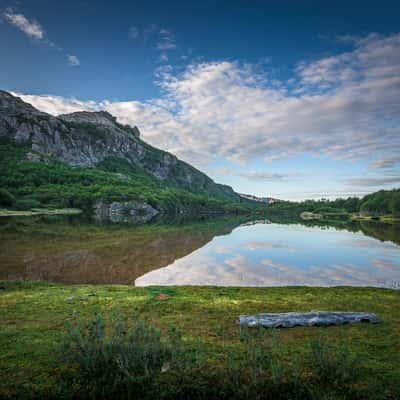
point(33, 318)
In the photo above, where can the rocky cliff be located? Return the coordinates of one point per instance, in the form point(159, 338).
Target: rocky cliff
point(87, 139)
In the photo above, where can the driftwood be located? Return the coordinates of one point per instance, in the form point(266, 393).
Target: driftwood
point(313, 318)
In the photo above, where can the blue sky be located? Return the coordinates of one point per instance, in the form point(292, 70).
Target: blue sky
point(293, 99)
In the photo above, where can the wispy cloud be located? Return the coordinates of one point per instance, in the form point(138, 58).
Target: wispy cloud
point(73, 61)
point(375, 181)
point(162, 40)
point(334, 194)
point(149, 31)
point(163, 57)
point(35, 30)
point(166, 40)
point(31, 27)
point(385, 163)
point(268, 176)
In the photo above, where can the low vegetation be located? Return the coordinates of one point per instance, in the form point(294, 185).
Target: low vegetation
point(94, 342)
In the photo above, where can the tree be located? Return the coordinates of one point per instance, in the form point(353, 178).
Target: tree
point(395, 204)
point(6, 198)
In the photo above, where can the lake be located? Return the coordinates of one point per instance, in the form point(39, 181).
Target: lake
point(221, 251)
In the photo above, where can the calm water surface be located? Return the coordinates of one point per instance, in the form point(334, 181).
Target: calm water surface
point(224, 252)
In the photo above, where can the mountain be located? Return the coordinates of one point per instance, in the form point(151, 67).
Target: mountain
point(89, 160)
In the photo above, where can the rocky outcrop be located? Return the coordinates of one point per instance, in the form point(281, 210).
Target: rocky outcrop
point(89, 138)
point(34, 157)
point(309, 216)
point(13, 103)
point(257, 222)
point(313, 318)
point(135, 212)
point(100, 118)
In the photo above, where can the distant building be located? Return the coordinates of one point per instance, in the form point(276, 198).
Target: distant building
point(268, 200)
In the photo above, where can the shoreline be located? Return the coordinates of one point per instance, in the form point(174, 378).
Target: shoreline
point(323, 216)
point(29, 213)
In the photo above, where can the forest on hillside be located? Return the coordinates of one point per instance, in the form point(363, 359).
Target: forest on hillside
point(383, 202)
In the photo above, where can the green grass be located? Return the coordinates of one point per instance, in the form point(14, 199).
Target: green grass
point(33, 317)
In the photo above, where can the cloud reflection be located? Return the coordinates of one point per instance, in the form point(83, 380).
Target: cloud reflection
point(304, 257)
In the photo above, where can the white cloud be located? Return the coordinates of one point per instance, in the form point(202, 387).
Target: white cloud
point(134, 32)
point(30, 27)
point(73, 61)
point(343, 106)
point(57, 105)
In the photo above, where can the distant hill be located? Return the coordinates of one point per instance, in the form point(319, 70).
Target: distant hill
point(88, 159)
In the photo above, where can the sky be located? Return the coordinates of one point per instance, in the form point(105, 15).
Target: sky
point(289, 99)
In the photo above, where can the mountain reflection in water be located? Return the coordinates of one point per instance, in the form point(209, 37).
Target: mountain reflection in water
point(69, 251)
point(256, 253)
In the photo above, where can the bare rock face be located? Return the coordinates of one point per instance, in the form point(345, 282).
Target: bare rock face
point(128, 211)
point(313, 318)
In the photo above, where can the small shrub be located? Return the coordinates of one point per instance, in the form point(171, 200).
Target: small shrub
point(332, 366)
point(27, 204)
point(121, 364)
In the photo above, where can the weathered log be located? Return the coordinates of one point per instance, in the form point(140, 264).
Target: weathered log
point(313, 318)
